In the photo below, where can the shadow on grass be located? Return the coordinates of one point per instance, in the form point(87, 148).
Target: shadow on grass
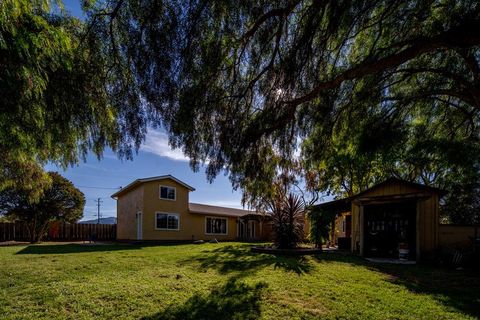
point(234, 300)
point(458, 289)
point(74, 248)
point(241, 260)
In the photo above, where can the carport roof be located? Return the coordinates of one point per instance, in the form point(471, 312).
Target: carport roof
point(344, 204)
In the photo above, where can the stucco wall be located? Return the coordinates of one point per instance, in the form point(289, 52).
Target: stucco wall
point(128, 205)
point(192, 226)
point(455, 236)
point(339, 223)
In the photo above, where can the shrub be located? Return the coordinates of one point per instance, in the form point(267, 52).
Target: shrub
point(287, 212)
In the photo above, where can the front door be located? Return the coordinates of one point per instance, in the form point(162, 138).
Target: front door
point(139, 225)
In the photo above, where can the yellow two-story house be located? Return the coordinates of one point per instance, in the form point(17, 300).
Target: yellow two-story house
point(158, 209)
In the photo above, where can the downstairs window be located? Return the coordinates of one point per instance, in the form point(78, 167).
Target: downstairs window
point(216, 226)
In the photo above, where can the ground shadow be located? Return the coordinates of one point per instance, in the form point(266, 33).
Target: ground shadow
point(74, 248)
point(241, 260)
point(458, 289)
point(234, 300)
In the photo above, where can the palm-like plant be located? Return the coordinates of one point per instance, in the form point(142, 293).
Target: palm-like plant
point(287, 212)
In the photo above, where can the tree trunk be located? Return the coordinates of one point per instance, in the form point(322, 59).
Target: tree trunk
point(32, 227)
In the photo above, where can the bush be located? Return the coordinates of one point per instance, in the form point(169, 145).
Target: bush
point(287, 212)
point(320, 225)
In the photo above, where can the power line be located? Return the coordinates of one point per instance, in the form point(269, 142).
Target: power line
point(109, 188)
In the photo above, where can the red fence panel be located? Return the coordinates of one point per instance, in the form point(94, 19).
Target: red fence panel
point(60, 231)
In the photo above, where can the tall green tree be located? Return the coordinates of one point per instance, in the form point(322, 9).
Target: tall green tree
point(365, 89)
point(58, 99)
point(61, 201)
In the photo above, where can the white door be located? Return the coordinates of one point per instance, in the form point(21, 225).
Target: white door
point(139, 225)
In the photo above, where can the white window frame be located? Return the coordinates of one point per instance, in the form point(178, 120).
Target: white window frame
point(160, 193)
point(168, 214)
point(217, 234)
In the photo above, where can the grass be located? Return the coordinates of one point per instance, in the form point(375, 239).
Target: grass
point(222, 281)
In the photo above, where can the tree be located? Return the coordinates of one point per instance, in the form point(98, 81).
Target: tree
point(462, 206)
point(320, 225)
point(61, 201)
point(57, 98)
point(242, 86)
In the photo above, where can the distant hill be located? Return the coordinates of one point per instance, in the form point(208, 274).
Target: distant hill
point(107, 220)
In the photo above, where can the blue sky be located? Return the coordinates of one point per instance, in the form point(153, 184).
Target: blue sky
point(99, 179)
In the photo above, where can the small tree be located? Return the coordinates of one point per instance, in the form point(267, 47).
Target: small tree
point(61, 201)
point(320, 225)
point(287, 212)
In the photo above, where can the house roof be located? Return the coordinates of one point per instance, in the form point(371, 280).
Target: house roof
point(206, 209)
point(158, 178)
point(344, 203)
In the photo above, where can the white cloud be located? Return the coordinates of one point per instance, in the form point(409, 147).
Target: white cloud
point(157, 143)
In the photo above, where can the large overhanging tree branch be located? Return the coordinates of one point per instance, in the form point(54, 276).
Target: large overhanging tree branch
point(241, 86)
point(464, 36)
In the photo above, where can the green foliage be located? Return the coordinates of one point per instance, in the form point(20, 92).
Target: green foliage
point(287, 213)
point(462, 205)
point(320, 225)
point(60, 201)
point(366, 89)
point(56, 92)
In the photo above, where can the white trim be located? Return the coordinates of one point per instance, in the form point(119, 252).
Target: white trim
point(139, 225)
point(139, 181)
point(160, 192)
point(217, 234)
point(362, 230)
point(168, 214)
point(251, 229)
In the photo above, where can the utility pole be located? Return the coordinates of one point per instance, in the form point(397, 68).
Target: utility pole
point(98, 201)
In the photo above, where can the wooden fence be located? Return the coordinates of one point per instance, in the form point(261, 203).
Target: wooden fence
point(60, 231)
point(458, 236)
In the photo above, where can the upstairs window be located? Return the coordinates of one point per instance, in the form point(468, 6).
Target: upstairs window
point(168, 193)
point(216, 225)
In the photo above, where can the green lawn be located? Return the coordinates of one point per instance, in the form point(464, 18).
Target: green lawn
point(221, 281)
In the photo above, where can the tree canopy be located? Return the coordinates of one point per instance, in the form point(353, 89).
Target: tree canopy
point(344, 92)
point(61, 201)
point(56, 95)
point(354, 91)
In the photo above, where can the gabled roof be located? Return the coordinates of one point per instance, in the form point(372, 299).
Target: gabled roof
point(344, 203)
point(206, 209)
point(423, 187)
point(158, 178)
